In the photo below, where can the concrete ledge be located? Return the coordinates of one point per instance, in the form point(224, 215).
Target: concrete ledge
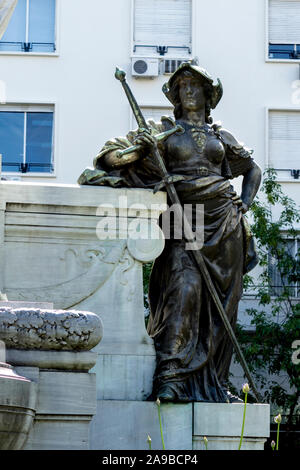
point(65, 360)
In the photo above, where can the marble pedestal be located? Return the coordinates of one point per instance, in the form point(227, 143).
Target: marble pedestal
point(52, 250)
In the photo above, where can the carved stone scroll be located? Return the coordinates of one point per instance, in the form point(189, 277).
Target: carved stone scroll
point(49, 329)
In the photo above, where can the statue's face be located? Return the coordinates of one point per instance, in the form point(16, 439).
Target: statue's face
point(191, 94)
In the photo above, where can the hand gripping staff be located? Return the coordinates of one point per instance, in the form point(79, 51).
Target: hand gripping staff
point(188, 233)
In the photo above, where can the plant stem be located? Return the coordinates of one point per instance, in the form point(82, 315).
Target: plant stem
point(277, 440)
point(243, 425)
point(160, 426)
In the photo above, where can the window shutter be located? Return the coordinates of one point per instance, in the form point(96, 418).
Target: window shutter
point(284, 139)
point(284, 21)
point(162, 22)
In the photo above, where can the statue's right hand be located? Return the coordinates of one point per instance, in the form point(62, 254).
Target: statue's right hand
point(145, 140)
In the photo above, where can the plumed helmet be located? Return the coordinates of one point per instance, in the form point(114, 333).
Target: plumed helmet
point(172, 94)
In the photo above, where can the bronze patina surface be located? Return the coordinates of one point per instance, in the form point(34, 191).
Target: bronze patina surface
point(192, 346)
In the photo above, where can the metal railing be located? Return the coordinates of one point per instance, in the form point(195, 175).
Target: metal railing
point(27, 167)
point(27, 46)
point(162, 50)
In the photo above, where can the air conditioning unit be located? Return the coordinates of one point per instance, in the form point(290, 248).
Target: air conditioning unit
point(144, 67)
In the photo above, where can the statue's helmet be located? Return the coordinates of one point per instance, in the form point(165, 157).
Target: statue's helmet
point(171, 92)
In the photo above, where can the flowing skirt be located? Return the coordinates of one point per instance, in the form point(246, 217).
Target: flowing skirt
point(193, 349)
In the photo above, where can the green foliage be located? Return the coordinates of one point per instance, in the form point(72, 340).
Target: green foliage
point(276, 323)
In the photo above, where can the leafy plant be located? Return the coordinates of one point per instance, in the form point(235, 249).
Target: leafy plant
point(276, 321)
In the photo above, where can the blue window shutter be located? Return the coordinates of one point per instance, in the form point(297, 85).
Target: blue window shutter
point(11, 139)
point(16, 30)
point(42, 25)
point(39, 142)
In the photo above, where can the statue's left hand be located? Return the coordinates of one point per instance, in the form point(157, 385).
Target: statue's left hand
point(237, 201)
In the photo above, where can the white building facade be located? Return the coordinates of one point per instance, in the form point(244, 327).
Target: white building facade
point(57, 63)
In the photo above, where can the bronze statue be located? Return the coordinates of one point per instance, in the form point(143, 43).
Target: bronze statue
point(193, 348)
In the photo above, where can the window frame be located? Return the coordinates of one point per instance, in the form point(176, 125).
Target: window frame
point(25, 106)
point(267, 58)
point(55, 53)
point(296, 287)
point(280, 179)
point(132, 121)
point(185, 54)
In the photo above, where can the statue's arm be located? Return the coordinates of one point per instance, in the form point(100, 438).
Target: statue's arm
point(145, 139)
point(112, 161)
point(250, 186)
point(241, 164)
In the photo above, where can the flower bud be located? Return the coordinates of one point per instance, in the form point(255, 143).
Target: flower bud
point(149, 440)
point(205, 439)
point(246, 388)
point(277, 419)
point(158, 402)
point(273, 445)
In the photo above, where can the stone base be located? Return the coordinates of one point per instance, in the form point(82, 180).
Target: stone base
point(125, 425)
point(65, 406)
point(221, 424)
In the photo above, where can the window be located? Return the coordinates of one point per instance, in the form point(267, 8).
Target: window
point(284, 142)
point(155, 113)
point(162, 27)
point(278, 282)
point(31, 27)
point(26, 139)
point(284, 29)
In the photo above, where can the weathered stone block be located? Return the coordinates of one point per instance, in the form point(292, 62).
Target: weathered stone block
point(59, 433)
point(221, 423)
point(126, 425)
point(66, 393)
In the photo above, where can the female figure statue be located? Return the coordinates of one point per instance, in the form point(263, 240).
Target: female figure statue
point(193, 350)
